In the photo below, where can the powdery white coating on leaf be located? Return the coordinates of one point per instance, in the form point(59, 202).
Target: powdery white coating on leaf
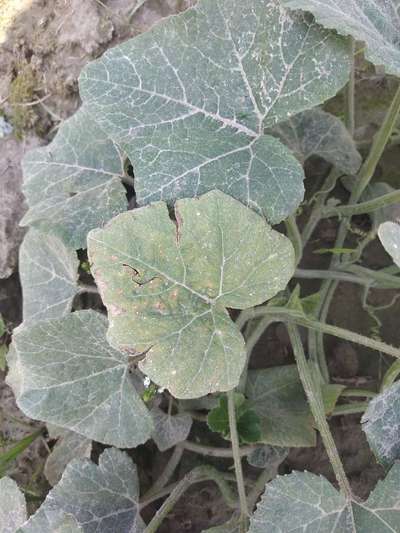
point(48, 272)
point(101, 498)
point(376, 22)
point(316, 132)
point(167, 286)
point(69, 446)
point(189, 100)
point(381, 424)
point(170, 430)
point(73, 185)
point(12, 506)
point(389, 234)
point(64, 372)
point(305, 503)
point(277, 396)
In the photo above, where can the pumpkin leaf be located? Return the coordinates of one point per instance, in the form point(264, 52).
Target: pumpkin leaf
point(381, 424)
point(167, 285)
point(306, 502)
point(315, 132)
point(74, 184)
point(48, 271)
point(375, 22)
point(389, 234)
point(101, 497)
point(170, 429)
point(276, 395)
point(12, 506)
point(63, 371)
point(188, 101)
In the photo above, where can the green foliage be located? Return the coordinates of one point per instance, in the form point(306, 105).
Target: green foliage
point(248, 423)
point(215, 111)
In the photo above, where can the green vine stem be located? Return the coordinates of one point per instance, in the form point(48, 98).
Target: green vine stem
point(363, 207)
point(167, 473)
point(365, 175)
point(214, 451)
point(295, 237)
point(362, 276)
point(198, 474)
point(350, 409)
point(391, 375)
point(292, 316)
point(314, 397)
point(358, 393)
point(244, 512)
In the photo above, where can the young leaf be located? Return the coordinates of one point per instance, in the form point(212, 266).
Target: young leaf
point(268, 457)
point(381, 424)
point(277, 396)
point(12, 506)
point(169, 430)
point(188, 101)
point(63, 371)
point(74, 184)
point(69, 446)
point(247, 421)
point(389, 234)
point(376, 22)
point(101, 498)
point(48, 271)
point(316, 132)
point(167, 286)
point(305, 502)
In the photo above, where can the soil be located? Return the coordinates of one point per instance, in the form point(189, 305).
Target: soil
point(45, 48)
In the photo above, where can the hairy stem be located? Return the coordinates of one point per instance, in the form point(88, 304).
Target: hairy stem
point(350, 409)
point(314, 397)
point(167, 473)
point(198, 474)
point(292, 316)
point(214, 451)
point(244, 512)
point(295, 237)
point(363, 207)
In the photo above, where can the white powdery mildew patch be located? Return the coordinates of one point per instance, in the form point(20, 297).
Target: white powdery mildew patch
point(189, 100)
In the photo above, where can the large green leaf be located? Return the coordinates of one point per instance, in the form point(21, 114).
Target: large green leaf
point(189, 100)
point(69, 446)
point(101, 498)
point(277, 396)
point(389, 234)
point(49, 273)
point(304, 502)
point(64, 372)
point(167, 285)
point(381, 423)
point(376, 22)
point(316, 132)
point(74, 184)
point(12, 506)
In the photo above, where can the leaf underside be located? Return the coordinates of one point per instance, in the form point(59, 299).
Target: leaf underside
point(167, 285)
point(74, 184)
point(64, 372)
point(188, 101)
point(376, 22)
point(100, 498)
point(169, 429)
point(304, 502)
point(48, 272)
